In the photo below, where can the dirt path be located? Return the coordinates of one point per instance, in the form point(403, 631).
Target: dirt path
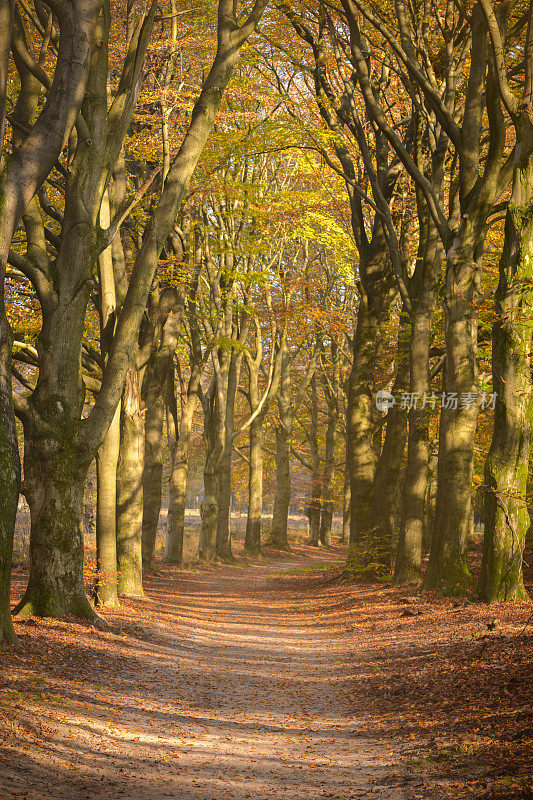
point(235, 685)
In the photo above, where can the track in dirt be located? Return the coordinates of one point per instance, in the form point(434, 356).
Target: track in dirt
point(234, 685)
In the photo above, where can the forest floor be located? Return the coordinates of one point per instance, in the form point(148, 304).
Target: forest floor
point(270, 679)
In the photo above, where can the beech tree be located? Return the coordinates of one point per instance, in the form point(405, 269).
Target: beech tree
point(54, 407)
point(506, 511)
point(37, 143)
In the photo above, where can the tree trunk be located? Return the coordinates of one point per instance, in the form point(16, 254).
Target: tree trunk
point(130, 490)
point(408, 567)
point(153, 472)
point(55, 480)
point(386, 479)
point(448, 567)
point(207, 547)
point(360, 429)
point(252, 539)
point(107, 456)
point(176, 508)
point(179, 469)
point(431, 499)
point(282, 498)
point(106, 516)
point(326, 519)
point(9, 477)
point(506, 468)
point(314, 505)
point(224, 469)
point(224, 505)
point(346, 507)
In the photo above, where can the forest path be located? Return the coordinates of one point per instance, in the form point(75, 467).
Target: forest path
point(235, 685)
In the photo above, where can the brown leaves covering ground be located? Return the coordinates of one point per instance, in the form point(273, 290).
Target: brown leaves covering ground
point(248, 681)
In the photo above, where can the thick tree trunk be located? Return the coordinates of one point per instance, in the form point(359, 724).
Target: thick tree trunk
point(360, 429)
point(152, 474)
point(278, 532)
point(252, 540)
point(506, 468)
point(106, 516)
point(21, 175)
point(55, 481)
point(448, 567)
point(408, 567)
point(9, 477)
point(130, 490)
point(386, 479)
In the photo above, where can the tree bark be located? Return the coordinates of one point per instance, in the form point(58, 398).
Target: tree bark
point(408, 566)
point(224, 470)
point(108, 452)
point(54, 472)
point(360, 451)
point(314, 505)
point(346, 506)
point(385, 491)
point(20, 178)
point(278, 532)
point(153, 472)
point(106, 516)
point(64, 291)
point(214, 441)
point(252, 539)
point(130, 490)
point(506, 468)
point(331, 391)
point(448, 567)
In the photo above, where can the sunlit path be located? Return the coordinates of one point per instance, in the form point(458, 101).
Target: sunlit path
point(231, 688)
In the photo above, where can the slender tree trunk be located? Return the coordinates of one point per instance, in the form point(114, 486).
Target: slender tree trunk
point(252, 540)
point(224, 505)
point(108, 452)
point(106, 516)
point(282, 498)
point(326, 519)
point(314, 505)
point(130, 490)
point(209, 507)
point(153, 472)
point(176, 507)
point(506, 468)
point(431, 499)
point(224, 469)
